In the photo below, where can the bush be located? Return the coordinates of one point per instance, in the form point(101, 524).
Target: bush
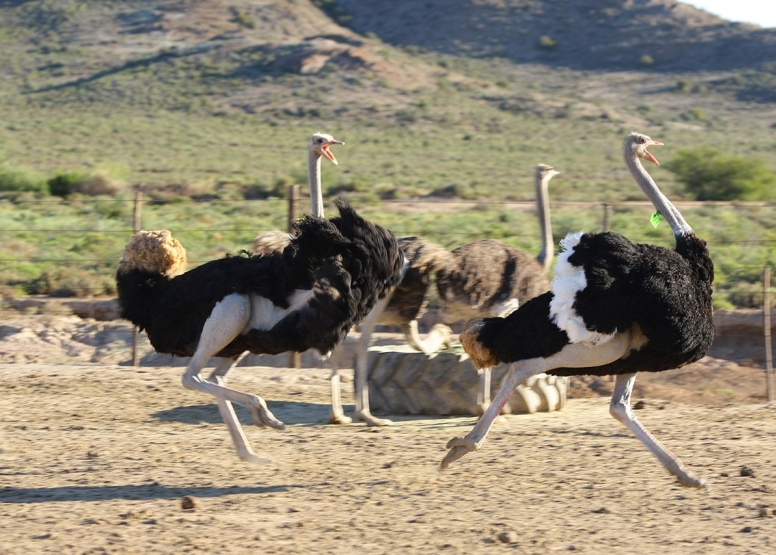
point(63, 184)
point(22, 180)
point(71, 282)
point(546, 43)
point(710, 175)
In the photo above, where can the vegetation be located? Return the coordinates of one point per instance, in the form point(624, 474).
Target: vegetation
point(708, 174)
point(214, 134)
point(546, 42)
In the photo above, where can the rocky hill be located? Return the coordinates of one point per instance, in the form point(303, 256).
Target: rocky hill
point(584, 34)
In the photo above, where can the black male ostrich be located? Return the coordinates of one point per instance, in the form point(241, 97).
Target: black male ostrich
point(615, 308)
point(308, 295)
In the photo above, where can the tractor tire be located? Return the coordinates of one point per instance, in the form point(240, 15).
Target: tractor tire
point(404, 381)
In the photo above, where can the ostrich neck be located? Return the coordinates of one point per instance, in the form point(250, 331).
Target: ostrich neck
point(658, 199)
point(314, 178)
point(545, 226)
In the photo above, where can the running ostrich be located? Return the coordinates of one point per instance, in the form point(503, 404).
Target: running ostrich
point(308, 295)
point(485, 277)
point(615, 308)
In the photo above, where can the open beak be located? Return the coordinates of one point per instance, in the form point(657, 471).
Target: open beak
point(648, 155)
point(328, 154)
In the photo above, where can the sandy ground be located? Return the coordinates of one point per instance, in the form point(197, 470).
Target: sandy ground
point(96, 458)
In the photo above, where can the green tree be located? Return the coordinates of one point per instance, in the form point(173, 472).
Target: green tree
point(709, 174)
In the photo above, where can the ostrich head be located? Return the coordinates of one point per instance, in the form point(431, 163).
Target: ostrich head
point(636, 144)
point(319, 146)
point(543, 170)
point(156, 252)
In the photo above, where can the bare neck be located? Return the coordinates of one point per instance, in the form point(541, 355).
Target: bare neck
point(314, 179)
point(658, 199)
point(545, 226)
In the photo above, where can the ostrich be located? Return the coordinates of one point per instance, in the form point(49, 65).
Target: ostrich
point(484, 277)
point(615, 308)
point(326, 278)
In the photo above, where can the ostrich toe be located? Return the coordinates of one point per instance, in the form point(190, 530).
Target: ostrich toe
point(263, 417)
point(691, 481)
point(372, 420)
point(458, 447)
point(253, 458)
point(339, 419)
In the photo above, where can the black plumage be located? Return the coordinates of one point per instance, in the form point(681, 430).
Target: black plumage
point(666, 293)
point(346, 261)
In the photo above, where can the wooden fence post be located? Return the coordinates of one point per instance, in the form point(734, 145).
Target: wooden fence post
point(294, 359)
point(607, 216)
point(136, 226)
point(767, 329)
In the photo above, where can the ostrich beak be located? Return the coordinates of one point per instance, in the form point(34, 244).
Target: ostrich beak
point(648, 155)
point(328, 154)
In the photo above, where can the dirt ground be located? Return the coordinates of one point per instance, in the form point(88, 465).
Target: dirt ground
point(96, 458)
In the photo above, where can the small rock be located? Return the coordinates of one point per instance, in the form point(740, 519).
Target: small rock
point(188, 503)
point(639, 405)
point(763, 512)
point(508, 537)
point(746, 471)
point(603, 511)
point(746, 529)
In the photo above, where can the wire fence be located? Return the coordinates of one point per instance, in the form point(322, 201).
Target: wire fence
point(604, 211)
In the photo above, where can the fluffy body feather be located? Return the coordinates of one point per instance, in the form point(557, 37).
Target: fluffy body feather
point(343, 263)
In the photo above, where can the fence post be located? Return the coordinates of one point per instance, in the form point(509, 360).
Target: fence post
point(607, 216)
point(767, 329)
point(136, 226)
point(294, 359)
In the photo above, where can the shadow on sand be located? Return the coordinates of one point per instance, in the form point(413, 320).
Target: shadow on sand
point(290, 412)
point(144, 492)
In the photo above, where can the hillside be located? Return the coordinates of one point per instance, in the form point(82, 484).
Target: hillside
point(586, 34)
point(214, 100)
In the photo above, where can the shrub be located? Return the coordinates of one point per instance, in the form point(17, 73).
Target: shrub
point(646, 60)
point(22, 180)
point(546, 43)
point(98, 183)
point(63, 184)
point(710, 175)
point(72, 282)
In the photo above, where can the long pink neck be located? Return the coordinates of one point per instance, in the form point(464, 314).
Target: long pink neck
point(658, 199)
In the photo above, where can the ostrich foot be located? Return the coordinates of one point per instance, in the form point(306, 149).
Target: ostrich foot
point(262, 416)
point(250, 457)
point(339, 419)
point(691, 480)
point(372, 420)
point(458, 447)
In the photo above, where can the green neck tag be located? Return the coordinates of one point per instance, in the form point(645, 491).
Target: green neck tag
point(654, 219)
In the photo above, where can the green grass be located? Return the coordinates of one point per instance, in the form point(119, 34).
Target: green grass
point(214, 121)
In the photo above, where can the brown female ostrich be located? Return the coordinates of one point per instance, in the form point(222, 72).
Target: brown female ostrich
point(486, 277)
point(326, 278)
point(615, 308)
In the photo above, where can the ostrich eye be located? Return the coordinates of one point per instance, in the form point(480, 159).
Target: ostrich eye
point(642, 140)
point(319, 141)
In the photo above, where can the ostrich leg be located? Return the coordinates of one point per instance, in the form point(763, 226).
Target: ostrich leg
point(360, 367)
point(437, 337)
point(576, 355)
point(620, 408)
point(228, 318)
point(229, 417)
point(337, 414)
point(483, 389)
